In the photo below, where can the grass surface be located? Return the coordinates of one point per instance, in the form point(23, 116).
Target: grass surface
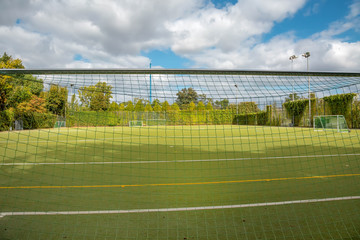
point(122, 168)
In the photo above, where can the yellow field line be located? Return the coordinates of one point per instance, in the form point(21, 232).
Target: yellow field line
point(184, 184)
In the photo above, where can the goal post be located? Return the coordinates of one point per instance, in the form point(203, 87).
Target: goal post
point(330, 122)
point(60, 124)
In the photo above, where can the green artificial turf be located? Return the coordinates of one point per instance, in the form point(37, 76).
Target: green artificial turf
point(163, 167)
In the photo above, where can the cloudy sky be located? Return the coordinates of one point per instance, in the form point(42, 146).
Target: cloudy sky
point(216, 34)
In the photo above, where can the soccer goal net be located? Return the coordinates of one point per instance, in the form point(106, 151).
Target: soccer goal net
point(332, 122)
point(59, 124)
point(227, 154)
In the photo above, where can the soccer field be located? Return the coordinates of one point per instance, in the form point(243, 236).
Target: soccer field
point(180, 182)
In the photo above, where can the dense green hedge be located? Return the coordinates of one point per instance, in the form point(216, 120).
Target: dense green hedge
point(259, 118)
point(296, 109)
point(30, 121)
point(5, 121)
point(38, 120)
point(122, 118)
point(340, 104)
point(262, 118)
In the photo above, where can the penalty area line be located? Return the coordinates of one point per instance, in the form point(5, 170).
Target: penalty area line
point(248, 205)
point(178, 161)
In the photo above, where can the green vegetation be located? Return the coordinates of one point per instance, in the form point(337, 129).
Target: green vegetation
point(185, 97)
point(97, 97)
point(23, 95)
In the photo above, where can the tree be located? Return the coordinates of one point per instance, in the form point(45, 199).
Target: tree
point(165, 106)
point(114, 107)
point(18, 95)
point(96, 97)
point(186, 96)
point(129, 106)
point(192, 106)
point(200, 106)
point(175, 107)
point(36, 104)
point(148, 108)
point(101, 97)
point(223, 104)
point(247, 107)
point(74, 105)
point(34, 84)
point(6, 87)
point(139, 106)
point(85, 95)
point(209, 107)
point(157, 107)
point(292, 96)
point(8, 62)
point(121, 107)
point(5, 58)
point(156, 101)
point(56, 100)
point(203, 98)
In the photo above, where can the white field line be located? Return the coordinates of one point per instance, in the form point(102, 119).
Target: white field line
point(178, 161)
point(3, 214)
point(54, 141)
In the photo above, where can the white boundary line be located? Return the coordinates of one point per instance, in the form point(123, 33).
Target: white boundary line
point(52, 141)
point(3, 214)
point(176, 161)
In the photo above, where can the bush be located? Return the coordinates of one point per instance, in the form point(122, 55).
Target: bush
point(245, 119)
point(37, 120)
point(262, 118)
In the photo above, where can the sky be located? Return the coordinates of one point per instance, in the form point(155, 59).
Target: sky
point(205, 34)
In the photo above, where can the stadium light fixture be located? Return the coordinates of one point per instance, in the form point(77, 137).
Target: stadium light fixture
point(307, 55)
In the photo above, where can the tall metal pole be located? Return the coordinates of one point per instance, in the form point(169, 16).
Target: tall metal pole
point(292, 58)
point(150, 86)
point(237, 105)
point(307, 55)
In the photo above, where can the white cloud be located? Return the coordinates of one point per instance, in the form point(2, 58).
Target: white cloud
point(113, 34)
point(230, 28)
point(329, 53)
point(108, 33)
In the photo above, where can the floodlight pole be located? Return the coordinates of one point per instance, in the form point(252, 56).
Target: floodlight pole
point(292, 58)
point(307, 55)
point(237, 105)
point(150, 86)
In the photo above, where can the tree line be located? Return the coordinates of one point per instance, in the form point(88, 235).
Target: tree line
point(40, 105)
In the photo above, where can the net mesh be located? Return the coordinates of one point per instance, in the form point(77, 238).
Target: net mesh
point(237, 160)
point(337, 123)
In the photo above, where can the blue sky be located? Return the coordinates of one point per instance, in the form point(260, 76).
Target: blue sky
point(210, 34)
point(314, 17)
